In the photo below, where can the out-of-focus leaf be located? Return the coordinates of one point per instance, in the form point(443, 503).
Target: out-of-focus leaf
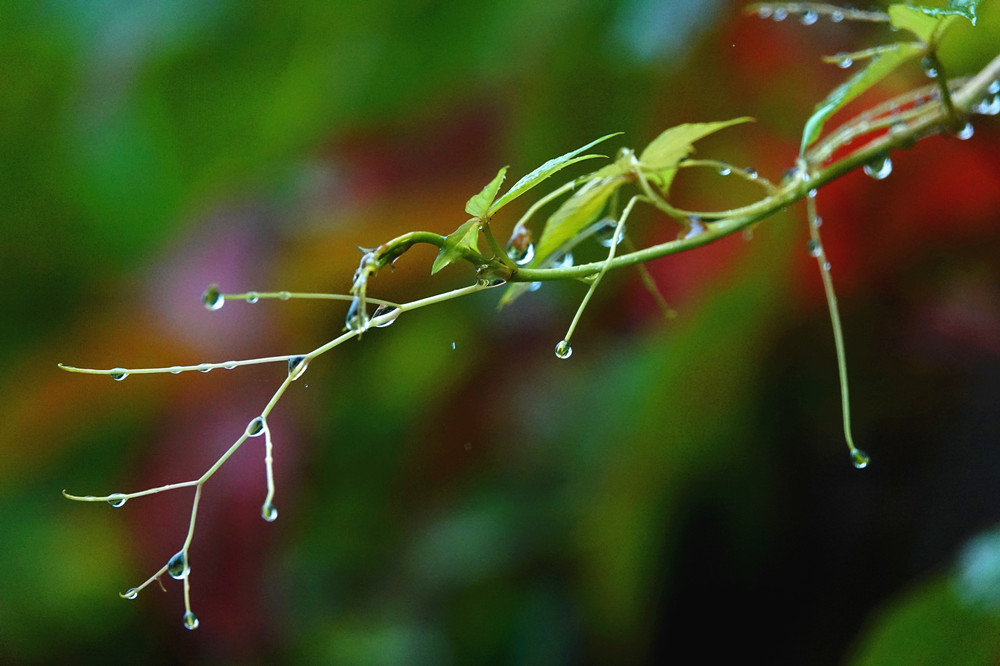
point(546, 170)
point(880, 66)
point(466, 236)
point(479, 205)
point(660, 158)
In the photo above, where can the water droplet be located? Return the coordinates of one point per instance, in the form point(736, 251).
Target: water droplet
point(205, 367)
point(844, 61)
point(116, 500)
point(765, 12)
point(929, 69)
point(252, 297)
point(453, 345)
point(780, 14)
point(695, 227)
point(284, 295)
point(563, 349)
point(994, 87)
point(859, 458)
point(176, 370)
point(966, 132)
point(813, 192)
point(356, 320)
point(522, 256)
point(256, 427)
point(990, 106)
point(131, 593)
point(748, 234)
point(565, 261)
point(191, 620)
point(296, 366)
point(827, 266)
point(230, 365)
point(268, 512)
point(534, 286)
point(725, 169)
point(809, 18)
point(118, 374)
point(605, 232)
point(837, 16)
point(178, 567)
point(817, 221)
point(385, 315)
point(212, 299)
point(750, 171)
point(879, 168)
point(815, 249)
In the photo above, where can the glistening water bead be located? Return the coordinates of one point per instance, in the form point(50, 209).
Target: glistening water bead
point(563, 349)
point(212, 299)
point(118, 374)
point(117, 500)
point(256, 427)
point(356, 320)
point(859, 458)
point(815, 249)
point(178, 566)
point(521, 256)
point(385, 315)
point(131, 593)
point(296, 366)
point(190, 620)
point(879, 168)
point(966, 132)
point(268, 512)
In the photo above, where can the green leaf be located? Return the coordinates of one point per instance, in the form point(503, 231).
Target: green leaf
point(479, 205)
point(920, 23)
point(880, 66)
point(661, 157)
point(465, 237)
point(544, 171)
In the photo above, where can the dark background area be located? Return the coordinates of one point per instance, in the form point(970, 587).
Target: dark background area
point(450, 491)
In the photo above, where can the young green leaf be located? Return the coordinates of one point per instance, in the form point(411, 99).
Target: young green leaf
point(880, 66)
point(465, 237)
point(660, 158)
point(479, 205)
point(544, 171)
point(929, 24)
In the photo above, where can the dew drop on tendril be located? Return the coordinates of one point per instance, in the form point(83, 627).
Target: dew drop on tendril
point(356, 320)
point(179, 567)
point(521, 256)
point(809, 17)
point(212, 299)
point(117, 500)
point(176, 370)
point(296, 366)
point(879, 168)
point(252, 297)
point(751, 172)
point(118, 374)
point(190, 620)
point(929, 69)
point(815, 249)
point(605, 232)
point(859, 458)
point(256, 427)
point(563, 349)
point(131, 593)
point(385, 315)
point(780, 14)
point(268, 512)
point(837, 16)
point(966, 132)
point(725, 169)
point(765, 12)
point(844, 61)
point(205, 367)
point(565, 261)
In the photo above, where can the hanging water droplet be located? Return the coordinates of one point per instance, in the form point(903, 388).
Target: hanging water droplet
point(284, 295)
point(453, 345)
point(117, 500)
point(748, 234)
point(534, 286)
point(212, 299)
point(256, 427)
point(565, 261)
point(859, 458)
point(827, 266)
point(385, 315)
point(813, 192)
point(879, 168)
point(176, 370)
point(230, 365)
point(837, 16)
point(994, 87)
point(118, 374)
point(725, 169)
point(750, 171)
point(205, 367)
point(488, 276)
point(809, 17)
point(563, 349)
point(605, 232)
point(814, 247)
point(356, 320)
point(191, 620)
point(966, 132)
point(522, 256)
point(765, 12)
point(178, 566)
point(780, 14)
point(695, 227)
point(990, 106)
point(817, 221)
point(844, 60)
point(296, 366)
point(268, 512)
point(252, 297)
point(929, 69)
point(131, 593)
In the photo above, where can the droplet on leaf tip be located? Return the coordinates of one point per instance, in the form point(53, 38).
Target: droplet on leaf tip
point(879, 168)
point(191, 621)
point(212, 299)
point(564, 349)
point(131, 593)
point(268, 512)
point(178, 566)
point(859, 458)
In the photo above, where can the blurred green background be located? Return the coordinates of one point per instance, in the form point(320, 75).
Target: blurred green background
point(449, 491)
